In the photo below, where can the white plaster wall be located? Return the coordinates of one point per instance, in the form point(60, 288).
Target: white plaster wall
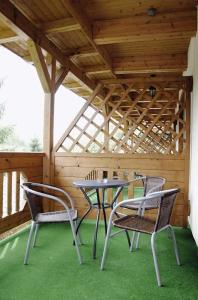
point(193, 188)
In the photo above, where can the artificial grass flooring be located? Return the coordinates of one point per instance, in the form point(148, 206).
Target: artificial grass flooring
point(55, 273)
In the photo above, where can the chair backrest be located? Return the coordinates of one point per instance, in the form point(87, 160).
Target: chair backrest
point(153, 184)
point(34, 201)
point(165, 208)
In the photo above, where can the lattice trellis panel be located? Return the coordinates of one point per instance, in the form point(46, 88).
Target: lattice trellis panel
point(130, 120)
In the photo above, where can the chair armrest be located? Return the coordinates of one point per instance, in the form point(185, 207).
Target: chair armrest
point(141, 200)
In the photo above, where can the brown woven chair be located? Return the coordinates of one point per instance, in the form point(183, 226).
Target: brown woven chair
point(139, 223)
point(150, 184)
point(35, 192)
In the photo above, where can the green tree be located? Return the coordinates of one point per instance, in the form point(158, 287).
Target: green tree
point(5, 133)
point(35, 145)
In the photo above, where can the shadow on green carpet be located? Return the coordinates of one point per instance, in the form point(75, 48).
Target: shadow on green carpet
point(54, 271)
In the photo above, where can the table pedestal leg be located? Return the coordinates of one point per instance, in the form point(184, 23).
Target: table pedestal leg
point(86, 213)
point(96, 234)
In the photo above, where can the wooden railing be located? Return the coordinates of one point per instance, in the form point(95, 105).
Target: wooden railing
point(15, 168)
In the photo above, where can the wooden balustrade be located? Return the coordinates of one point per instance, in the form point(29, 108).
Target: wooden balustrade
point(15, 168)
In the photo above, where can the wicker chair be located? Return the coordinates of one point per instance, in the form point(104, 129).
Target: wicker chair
point(139, 223)
point(34, 193)
point(150, 184)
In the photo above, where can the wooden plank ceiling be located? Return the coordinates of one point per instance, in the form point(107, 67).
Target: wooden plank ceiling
point(103, 40)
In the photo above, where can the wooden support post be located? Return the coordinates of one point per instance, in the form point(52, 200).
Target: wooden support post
point(106, 128)
point(51, 81)
point(188, 90)
point(48, 135)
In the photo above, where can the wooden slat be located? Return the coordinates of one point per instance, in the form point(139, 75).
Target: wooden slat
point(1, 194)
point(9, 193)
point(13, 221)
point(11, 163)
point(17, 191)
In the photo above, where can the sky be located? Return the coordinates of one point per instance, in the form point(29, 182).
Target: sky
point(24, 99)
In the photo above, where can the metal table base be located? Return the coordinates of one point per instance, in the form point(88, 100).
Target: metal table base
point(100, 204)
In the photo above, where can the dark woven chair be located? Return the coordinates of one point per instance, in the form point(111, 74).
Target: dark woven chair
point(150, 184)
point(139, 223)
point(35, 193)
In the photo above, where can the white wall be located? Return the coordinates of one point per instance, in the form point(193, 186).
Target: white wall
point(193, 188)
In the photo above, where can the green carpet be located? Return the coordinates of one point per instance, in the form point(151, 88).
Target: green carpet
point(54, 272)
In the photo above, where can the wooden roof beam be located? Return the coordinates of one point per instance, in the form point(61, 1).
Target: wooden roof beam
point(25, 29)
point(144, 28)
point(62, 25)
point(8, 36)
point(83, 52)
point(151, 64)
point(96, 69)
point(175, 79)
point(79, 15)
point(175, 63)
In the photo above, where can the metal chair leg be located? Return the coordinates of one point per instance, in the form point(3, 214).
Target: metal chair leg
point(175, 245)
point(155, 259)
point(35, 235)
point(75, 241)
point(29, 243)
point(138, 235)
point(137, 240)
point(106, 246)
point(132, 241)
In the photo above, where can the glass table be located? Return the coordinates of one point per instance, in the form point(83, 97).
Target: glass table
point(90, 187)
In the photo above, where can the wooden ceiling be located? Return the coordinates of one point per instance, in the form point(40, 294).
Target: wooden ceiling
point(102, 40)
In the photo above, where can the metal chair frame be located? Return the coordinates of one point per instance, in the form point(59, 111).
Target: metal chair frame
point(69, 213)
point(142, 200)
point(141, 209)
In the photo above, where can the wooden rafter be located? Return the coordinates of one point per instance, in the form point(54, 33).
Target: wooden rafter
point(40, 64)
point(8, 36)
point(62, 25)
point(22, 26)
point(77, 12)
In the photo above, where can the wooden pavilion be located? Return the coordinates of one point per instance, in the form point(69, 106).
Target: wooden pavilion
point(126, 59)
